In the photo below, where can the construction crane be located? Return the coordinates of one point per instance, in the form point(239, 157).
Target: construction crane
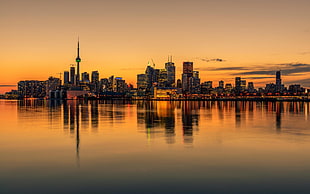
point(153, 63)
point(60, 74)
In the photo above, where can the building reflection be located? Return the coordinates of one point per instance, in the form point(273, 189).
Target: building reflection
point(94, 115)
point(158, 119)
point(190, 119)
point(279, 110)
point(71, 112)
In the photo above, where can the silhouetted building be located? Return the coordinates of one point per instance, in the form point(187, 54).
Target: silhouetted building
point(66, 77)
point(238, 87)
point(72, 76)
point(251, 88)
point(179, 83)
point(279, 87)
point(32, 89)
point(141, 82)
point(221, 84)
point(186, 76)
point(85, 77)
point(169, 66)
point(162, 78)
point(188, 68)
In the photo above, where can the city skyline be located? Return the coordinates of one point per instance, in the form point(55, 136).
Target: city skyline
point(250, 39)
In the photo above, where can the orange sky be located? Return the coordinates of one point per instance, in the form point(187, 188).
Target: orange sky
point(38, 38)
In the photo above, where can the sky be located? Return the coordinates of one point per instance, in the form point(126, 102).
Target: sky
point(224, 38)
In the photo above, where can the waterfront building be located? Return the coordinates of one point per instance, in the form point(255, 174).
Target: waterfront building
point(296, 89)
point(188, 68)
point(185, 83)
point(243, 85)
point(238, 88)
point(279, 85)
point(169, 66)
point(206, 87)
point(194, 83)
point(179, 83)
point(251, 88)
point(72, 75)
point(221, 84)
point(53, 84)
point(165, 93)
point(228, 87)
point(141, 82)
point(104, 85)
point(94, 77)
point(121, 86)
point(162, 78)
point(66, 78)
point(85, 77)
point(187, 74)
point(32, 89)
point(150, 76)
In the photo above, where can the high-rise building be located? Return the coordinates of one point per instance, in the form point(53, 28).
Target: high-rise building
point(95, 86)
point(179, 83)
point(206, 87)
point(72, 76)
point(85, 77)
point(52, 84)
point(251, 88)
point(238, 87)
point(279, 86)
point(278, 78)
point(185, 83)
point(141, 82)
point(243, 85)
point(66, 77)
point(194, 83)
point(162, 78)
point(228, 87)
point(104, 85)
point(187, 74)
point(188, 68)
point(94, 76)
point(169, 66)
point(221, 84)
point(150, 76)
point(121, 86)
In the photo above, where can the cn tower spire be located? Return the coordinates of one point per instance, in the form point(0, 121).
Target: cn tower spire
point(78, 60)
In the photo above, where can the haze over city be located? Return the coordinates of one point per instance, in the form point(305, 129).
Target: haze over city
point(224, 39)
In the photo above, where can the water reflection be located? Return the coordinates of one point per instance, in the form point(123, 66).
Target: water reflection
point(158, 118)
point(190, 120)
point(164, 119)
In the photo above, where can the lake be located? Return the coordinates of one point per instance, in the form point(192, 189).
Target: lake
point(154, 147)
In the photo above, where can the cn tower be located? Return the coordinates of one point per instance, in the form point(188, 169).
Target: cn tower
point(78, 60)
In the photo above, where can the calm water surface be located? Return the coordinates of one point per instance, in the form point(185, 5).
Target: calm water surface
point(154, 147)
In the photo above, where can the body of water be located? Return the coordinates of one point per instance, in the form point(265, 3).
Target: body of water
point(154, 147)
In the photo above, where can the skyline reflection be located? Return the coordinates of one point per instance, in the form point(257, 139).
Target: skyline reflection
point(158, 119)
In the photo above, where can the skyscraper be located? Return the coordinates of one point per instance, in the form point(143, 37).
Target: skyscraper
point(169, 66)
point(94, 76)
point(279, 87)
point(72, 75)
point(85, 77)
point(66, 77)
point(188, 68)
point(238, 87)
point(187, 74)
